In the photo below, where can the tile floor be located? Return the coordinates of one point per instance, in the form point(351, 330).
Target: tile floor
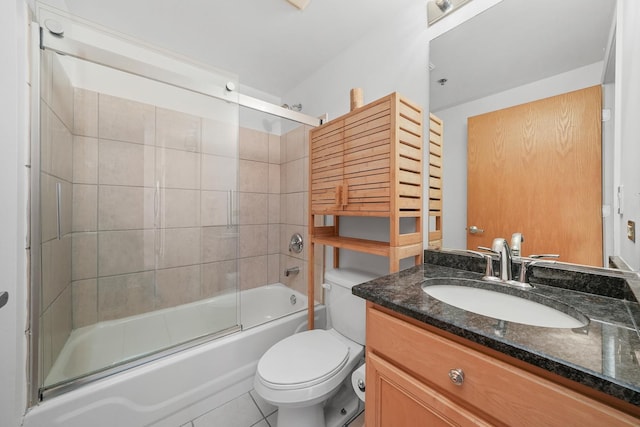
point(248, 410)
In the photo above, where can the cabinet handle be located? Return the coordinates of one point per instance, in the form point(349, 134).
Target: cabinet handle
point(345, 195)
point(456, 376)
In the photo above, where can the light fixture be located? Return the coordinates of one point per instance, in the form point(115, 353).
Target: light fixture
point(437, 9)
point(444, 5)
point(301, 4)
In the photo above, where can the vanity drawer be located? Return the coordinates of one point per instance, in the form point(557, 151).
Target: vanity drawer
point(501, 392)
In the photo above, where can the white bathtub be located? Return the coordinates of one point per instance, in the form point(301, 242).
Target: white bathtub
point(177, 388)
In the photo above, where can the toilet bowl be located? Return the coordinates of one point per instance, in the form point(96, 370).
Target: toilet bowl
point(303, 372)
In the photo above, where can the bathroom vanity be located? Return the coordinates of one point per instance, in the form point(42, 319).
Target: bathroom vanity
point(431, 363)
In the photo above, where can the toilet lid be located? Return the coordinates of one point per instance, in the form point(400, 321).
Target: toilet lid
point(302, 360)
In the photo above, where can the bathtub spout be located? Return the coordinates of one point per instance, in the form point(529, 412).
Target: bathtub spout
point(292, 271)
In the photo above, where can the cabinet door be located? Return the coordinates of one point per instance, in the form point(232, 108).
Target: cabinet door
point(367, 159)
point(396, 399)
point(326, 169)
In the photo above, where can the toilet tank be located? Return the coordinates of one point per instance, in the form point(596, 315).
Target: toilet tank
point(346, 312)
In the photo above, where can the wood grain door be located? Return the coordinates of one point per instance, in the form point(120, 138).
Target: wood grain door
point(536, 168)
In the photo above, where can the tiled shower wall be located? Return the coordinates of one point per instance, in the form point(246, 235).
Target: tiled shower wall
point(122, 150)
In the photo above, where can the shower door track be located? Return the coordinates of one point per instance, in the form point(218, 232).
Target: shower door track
point(68, 46)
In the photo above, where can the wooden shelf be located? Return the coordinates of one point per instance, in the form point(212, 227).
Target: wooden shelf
point(368, 246)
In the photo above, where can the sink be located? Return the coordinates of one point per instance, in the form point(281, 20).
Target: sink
point(473, 295)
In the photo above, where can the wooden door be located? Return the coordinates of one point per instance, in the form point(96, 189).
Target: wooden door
point(326, 167)
point(536, 169)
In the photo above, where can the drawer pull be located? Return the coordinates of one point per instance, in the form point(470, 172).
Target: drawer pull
point(456, 376)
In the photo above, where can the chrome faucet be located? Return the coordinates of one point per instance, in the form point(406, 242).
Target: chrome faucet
point(516, 244)
point(501, 247)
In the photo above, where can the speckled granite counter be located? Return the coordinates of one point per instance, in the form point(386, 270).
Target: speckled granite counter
point(602, 355)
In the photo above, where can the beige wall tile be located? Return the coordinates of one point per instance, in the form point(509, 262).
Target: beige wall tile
point(219, 244)
point(253, 272)
point(274, 209)
point(125, 295)
point(178, 169)
point(121, 252)
point(66, 207)
point(295, 209)
point(220, 138)
point(273, 268)
point(253, 240)
point(61, 92)
point(219, 173)
point(85, 302)
point(254, 176)
point(214, 208)
point(85, 207)
point(85, 116)
point(123, 163)
point(125, 208)
point(48, 215)
point(295, 180)
point(254, 145)
point(62, 321)
point(274, 179)
point(219, 278)
point(274, 236)
point(84, 261)
point(253, 208)
point(46, 75)
point(178, 247)
point(179, 208)
point(294, 144)
point(274, 149)
point(61, 149)
point(175, 286)
point(45, 137)
point(124, 120)
point(56, 269)
point(177, 130)
point(85, 160)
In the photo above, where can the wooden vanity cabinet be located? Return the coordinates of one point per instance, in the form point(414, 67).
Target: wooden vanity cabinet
point(409, 384)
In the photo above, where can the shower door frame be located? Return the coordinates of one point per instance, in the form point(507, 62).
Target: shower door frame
point(42, 39)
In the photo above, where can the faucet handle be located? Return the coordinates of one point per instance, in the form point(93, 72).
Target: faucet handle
point(516, 243)
point(488, 271)
point(532, 259)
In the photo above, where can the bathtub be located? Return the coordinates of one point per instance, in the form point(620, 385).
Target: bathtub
point(179, 387)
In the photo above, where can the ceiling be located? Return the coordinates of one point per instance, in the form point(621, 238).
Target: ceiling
point(517, 42)
point(269, 44)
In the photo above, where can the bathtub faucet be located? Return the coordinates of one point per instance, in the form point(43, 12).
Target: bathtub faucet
point(292, 271)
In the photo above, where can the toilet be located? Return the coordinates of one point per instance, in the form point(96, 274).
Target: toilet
point(307, 375)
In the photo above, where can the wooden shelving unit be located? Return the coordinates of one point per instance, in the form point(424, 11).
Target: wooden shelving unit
point(368, 163)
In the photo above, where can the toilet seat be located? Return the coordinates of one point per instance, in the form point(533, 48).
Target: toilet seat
point(302, 360)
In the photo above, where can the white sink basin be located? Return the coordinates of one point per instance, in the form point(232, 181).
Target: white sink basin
point(499, 305)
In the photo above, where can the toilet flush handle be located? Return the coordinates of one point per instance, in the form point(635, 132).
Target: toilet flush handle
point(326, 286)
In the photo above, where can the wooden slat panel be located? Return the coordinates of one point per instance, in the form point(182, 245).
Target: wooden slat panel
point(409, 178)
point(410, 165)
point(366, 167)
point(378, 125)
point(380, 138)
point(435, 172)
point(409, 138)
point(380, 177)
point(435, 183)
point(410, 127)
point(435, 160)
point(410, 203)
point(410, 112)
point(410, 152)
point(435, 204)
point(327, 128)
point(380, 207)
point(410, 190)
point(435, 149)
point(375, 109)
point(354, 159)
point(435, 235)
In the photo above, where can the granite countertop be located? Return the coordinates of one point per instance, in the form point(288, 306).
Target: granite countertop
point(603, 355)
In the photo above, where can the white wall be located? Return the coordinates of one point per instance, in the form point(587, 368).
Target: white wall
point(392, 58)
point(13, 116)
point(627, 126)
point(455, 139)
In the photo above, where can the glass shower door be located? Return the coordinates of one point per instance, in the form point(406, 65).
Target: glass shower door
point(137, 215)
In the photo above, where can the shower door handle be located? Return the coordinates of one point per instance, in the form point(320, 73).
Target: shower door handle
point(229, 208)
point(58, 210)
point(4, 297)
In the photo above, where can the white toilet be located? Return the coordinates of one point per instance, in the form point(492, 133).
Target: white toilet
point(301, 373)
